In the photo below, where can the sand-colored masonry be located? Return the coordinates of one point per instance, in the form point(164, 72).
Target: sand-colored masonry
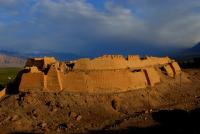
point(109, 73)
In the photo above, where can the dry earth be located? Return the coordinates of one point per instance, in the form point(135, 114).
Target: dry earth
point(171, 106)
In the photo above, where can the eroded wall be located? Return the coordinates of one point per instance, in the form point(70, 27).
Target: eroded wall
point(32, 81)
point(103, 74)
point(152, 76)
point(41, 63)
point(103, 81)
point(53, 80)
point(108, 62)
point(172, 69)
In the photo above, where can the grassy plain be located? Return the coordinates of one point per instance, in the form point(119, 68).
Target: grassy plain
point(8, 75)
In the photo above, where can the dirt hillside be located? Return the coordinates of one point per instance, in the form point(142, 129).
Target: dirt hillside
point(65, 112)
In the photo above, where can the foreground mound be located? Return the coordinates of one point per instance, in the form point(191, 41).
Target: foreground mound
point(64, 112)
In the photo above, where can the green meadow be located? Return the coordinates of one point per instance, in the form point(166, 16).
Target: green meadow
point(8, 75)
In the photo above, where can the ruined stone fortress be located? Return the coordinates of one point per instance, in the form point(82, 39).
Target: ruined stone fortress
point(109, 73)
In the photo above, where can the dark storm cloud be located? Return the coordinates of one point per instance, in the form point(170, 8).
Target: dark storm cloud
point(77, 26)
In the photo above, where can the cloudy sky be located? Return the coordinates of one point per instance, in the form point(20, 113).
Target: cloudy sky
point(98, 26)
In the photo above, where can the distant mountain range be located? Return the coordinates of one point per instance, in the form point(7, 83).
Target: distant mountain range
point(10, 61)
point(188, 54)
point(195, 49)
point(15, 59)
point(58, 55)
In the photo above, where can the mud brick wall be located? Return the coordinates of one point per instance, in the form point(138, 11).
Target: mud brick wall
point(109, 73)
point(103, 81)
point(32, 81)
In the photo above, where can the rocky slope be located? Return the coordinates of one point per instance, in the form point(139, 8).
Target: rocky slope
point(139, 111)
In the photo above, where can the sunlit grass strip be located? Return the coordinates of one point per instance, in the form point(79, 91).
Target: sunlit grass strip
point(8, 75)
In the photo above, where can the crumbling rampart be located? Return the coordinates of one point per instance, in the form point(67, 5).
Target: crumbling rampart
point(119, 62)
point(109, 73)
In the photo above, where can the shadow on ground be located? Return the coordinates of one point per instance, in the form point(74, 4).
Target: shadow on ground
point(173, 121)
point(193, 63)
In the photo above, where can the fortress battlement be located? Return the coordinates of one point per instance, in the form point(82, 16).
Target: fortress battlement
point(109, 73)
